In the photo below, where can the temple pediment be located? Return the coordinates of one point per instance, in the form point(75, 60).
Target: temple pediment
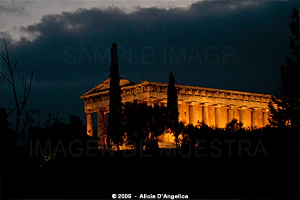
point(105, 86)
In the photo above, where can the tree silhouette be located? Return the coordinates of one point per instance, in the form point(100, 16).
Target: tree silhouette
point(158, 124)
point(172, 101)
point(137, 117)
point(19, 104)
point(172, 106)
point(115, 100)
point(60, 141)
point(234, 126)
point(8, 138)
point(51, 120)
point(141, 121)
point(2, 78)
point(76, 126)
point(285, 105)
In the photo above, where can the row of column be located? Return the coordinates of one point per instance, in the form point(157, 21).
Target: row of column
point(191, 113)
point(101, 126)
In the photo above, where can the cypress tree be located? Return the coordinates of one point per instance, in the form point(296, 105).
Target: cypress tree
point(172, 107)
point(115, 100)
point(172, 104)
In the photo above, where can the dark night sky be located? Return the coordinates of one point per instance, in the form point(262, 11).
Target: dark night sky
point(229, 45)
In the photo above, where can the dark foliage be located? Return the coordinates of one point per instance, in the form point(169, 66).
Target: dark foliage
point(172, 103)
point(140, 120)
point(285, 105)
point(172, 106)
point(58, 142)
point(8, 138)
point(115, 130)
point(66, 162)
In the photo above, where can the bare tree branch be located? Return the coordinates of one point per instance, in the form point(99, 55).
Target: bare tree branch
point(15, 66)
point(19, 107)
point(3, 77)
point(11, 110)
point(26, 93)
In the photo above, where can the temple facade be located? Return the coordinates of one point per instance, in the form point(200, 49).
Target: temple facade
point(215, 107)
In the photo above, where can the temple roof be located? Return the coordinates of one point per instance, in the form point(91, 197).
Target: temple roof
point(105, 86)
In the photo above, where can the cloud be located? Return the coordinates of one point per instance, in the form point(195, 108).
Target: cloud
point(77, 43)
point(14, 8)
point(82, 18)
point(11, 9)
point(216, 44)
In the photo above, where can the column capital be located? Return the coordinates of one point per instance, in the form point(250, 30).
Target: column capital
point(89, 111)
point(243, 107)
point(232, 106)
point(103, 109)
point(163, 101)
point(255, 108)
point(265, 109)
point(192, 103)
point(217, 105)
point(205, 103)
point(100, 111)
point(179, 101)
point(152, 98)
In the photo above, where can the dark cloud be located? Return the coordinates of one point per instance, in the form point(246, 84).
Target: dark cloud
point(231, 45)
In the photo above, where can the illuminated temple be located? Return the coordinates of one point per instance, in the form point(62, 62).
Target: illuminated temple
point(215, 107)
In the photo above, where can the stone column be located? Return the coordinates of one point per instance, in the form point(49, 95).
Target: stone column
point(236, 114)
point(192, 113)
point(105, 130)
point(229, 114)
point(89, 124)
point(205, 112)
point(242, 114)
point(199, 113)
point(265, 113)
point(180, 110)
point(254, 117)
point(101, 128)
point(187, 112)
point(218, 115)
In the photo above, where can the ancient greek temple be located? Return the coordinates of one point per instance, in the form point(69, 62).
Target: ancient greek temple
point(215, 107)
